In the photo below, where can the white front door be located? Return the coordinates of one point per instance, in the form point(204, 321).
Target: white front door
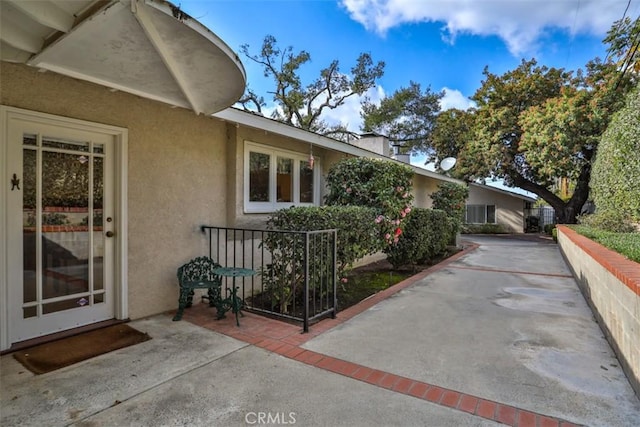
point(61, 226)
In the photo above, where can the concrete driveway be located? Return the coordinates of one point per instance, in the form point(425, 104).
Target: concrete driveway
point(498, 335)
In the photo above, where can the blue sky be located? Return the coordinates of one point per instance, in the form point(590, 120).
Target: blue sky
point(442, 44)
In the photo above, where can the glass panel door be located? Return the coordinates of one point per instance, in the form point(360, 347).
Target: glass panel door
point(62, 208)
point(61, 274)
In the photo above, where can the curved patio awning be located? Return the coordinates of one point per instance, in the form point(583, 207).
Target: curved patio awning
point(146, 47)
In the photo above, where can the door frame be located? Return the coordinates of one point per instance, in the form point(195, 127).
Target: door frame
point(120, 136)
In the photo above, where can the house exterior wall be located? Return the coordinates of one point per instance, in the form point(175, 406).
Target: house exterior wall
point(176, 170)
point(423, 187)
point(509, 209)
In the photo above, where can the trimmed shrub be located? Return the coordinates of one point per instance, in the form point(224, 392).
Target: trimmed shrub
point(450, 197)
point(357, 230)
point(626, 244)
point(379, 184)
point(616, 169)
point(612, 221)
point(426, 235)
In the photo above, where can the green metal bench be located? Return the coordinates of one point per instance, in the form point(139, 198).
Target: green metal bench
point(199, 274)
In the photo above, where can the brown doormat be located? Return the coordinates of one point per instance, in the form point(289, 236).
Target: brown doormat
point(48, 357)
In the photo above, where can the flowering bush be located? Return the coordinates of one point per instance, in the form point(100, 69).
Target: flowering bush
point(379, 184)
point(425, 236)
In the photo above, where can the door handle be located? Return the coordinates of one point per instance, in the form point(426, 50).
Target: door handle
point(109, 233)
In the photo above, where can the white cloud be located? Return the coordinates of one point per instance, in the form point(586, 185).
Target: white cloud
point(349, 113)
point(520, 23)
point(453, 98)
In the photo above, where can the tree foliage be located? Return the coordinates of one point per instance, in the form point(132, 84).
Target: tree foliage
point(533, 125)
point(302, 106)
point(624, 44)
point(453, 129)
point(495, 147)
point(406, 117)
point(561, 136)
point(616, 170)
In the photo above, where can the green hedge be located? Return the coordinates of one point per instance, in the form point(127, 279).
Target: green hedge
point(357, 230)
point(607, 220)
point(615, 178)
point(426, 235)
point(626, 244)
point(450, 197)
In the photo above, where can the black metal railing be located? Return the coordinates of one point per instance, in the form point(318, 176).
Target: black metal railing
point(296, 270)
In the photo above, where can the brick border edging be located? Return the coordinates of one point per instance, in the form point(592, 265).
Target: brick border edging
point(625, 270)
point(474, 405)
point(619, 267)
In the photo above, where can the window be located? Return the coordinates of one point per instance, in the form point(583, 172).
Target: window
point(276, 179)
point(480, 214)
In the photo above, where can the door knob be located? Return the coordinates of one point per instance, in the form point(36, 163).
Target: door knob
point(109, 233)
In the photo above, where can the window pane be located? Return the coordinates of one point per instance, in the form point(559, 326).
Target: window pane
point(29, 139)
point(258, 177)
point(491, 214)
point(65, 145)
point(98, 298)
point(29, 312)
point(97, 219)
point(306, 182)
point(65, 237)
point(68, 304)
point(284, 180)
point(29, 226)
point(475, 214)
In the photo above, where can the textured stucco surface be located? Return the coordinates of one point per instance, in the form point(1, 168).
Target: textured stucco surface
point(509, 209)
point(176, 173)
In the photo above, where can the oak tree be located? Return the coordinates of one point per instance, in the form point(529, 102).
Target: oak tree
point(406, 117)
point(303, 105)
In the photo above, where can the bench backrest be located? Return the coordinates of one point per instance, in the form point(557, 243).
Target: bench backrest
point(199, 269)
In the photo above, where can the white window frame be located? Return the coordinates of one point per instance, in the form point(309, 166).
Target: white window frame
point(486, 214)
point(273, 205)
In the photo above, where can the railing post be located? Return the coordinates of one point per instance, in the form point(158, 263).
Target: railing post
point(305, 325)
point(335, 273)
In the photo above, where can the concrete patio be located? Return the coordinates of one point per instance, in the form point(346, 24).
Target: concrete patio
point(499, 334)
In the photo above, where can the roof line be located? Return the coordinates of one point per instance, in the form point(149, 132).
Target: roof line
point(246, 118)
point(507, 192)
